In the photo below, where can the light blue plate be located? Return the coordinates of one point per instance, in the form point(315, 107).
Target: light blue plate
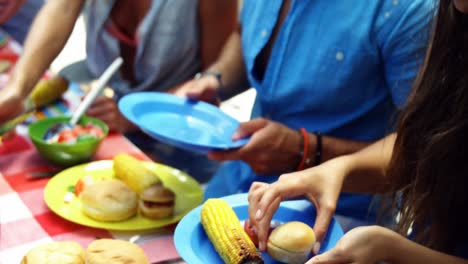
point(194, 247)
point(185, 123)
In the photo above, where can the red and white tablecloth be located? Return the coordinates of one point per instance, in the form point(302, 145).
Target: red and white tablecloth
point(25, 219)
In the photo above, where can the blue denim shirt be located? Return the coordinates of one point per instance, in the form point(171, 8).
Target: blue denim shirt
point(339, 67)
point(168, 49)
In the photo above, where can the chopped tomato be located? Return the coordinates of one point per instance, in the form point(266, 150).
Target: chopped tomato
point(79, 187)
point(78, 130)
point(66, 136)
point(95, 131)
point(251, 232)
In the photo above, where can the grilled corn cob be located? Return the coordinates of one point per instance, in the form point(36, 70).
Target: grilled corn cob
point(226, 233)
point(47, 91)
point(134, 173)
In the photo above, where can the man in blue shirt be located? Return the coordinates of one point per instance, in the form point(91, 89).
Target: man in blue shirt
point(338, 69)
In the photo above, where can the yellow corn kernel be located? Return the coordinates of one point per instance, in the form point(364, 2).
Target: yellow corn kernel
point(134, 173)
point(226, 233)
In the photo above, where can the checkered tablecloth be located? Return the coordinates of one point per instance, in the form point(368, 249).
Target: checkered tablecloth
point(25, 219)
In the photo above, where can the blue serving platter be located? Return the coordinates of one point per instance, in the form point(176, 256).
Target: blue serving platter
point(182, 122)
point(194, 247)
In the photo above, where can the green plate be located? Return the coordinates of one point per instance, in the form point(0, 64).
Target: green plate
point(189, 195)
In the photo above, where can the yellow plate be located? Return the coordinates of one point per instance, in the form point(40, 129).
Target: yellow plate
point(188, 195)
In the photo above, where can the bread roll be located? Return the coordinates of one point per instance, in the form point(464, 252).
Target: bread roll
point(109, 200)
point(291, 242)
point(106, 251)
point(157, 202)
point(64, 252)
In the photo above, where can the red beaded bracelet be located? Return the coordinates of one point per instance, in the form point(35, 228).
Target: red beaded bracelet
point(305, 150)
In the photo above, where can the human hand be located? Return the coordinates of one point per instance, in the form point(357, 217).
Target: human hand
point(321, 185)
point(106, 109)
point(11, 103)
point(361, 245)
point(203, 89)
point(272, 148)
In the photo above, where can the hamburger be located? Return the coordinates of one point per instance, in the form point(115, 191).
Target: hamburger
point(157, 202)
point(109, 200)
point(105, 251)
point(291, 242)
point(63, 252)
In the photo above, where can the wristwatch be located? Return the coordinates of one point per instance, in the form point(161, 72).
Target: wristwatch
point(215, 74)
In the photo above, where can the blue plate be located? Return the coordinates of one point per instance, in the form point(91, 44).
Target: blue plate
point(194, 247)
point(185, 123)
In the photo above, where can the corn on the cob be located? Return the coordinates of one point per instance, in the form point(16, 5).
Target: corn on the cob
point(226, 233)
point(134, 173)
point(47, 91)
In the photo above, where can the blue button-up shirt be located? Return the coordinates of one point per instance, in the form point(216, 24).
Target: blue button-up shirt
point(339, 67)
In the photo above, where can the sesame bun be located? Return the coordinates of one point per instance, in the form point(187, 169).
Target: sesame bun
point(64, 252)
point(157, 202)
point(291, 242)
point(105, 251)
point(109, 200)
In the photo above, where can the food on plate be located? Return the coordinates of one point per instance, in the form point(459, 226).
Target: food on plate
point(105, 251)
point(252, 233)
point(63, 252)
point(66, 134)
point(224, 230)
point(291, 242)
point(157, 202)
point(81, 183)
point(109, 200)
point(134, 173)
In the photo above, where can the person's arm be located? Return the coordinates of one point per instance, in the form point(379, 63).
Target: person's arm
point(46, 38)
point(218, 19)
point(230, 64)
point(404, 251)
point(363, 171)
point(373, 244)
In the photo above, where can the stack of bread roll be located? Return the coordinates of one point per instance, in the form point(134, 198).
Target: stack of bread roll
point(155, 200)
point(101, 251)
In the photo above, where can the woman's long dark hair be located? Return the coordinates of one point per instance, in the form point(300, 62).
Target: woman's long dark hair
point(429, 165)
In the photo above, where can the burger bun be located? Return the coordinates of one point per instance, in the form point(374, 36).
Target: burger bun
point(291, 242)
point(60, 252)
point(109, 200)
point(105, 251)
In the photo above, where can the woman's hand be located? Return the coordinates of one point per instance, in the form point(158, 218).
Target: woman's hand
point(361, 245)
point(321, 185)
point(106, 109)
